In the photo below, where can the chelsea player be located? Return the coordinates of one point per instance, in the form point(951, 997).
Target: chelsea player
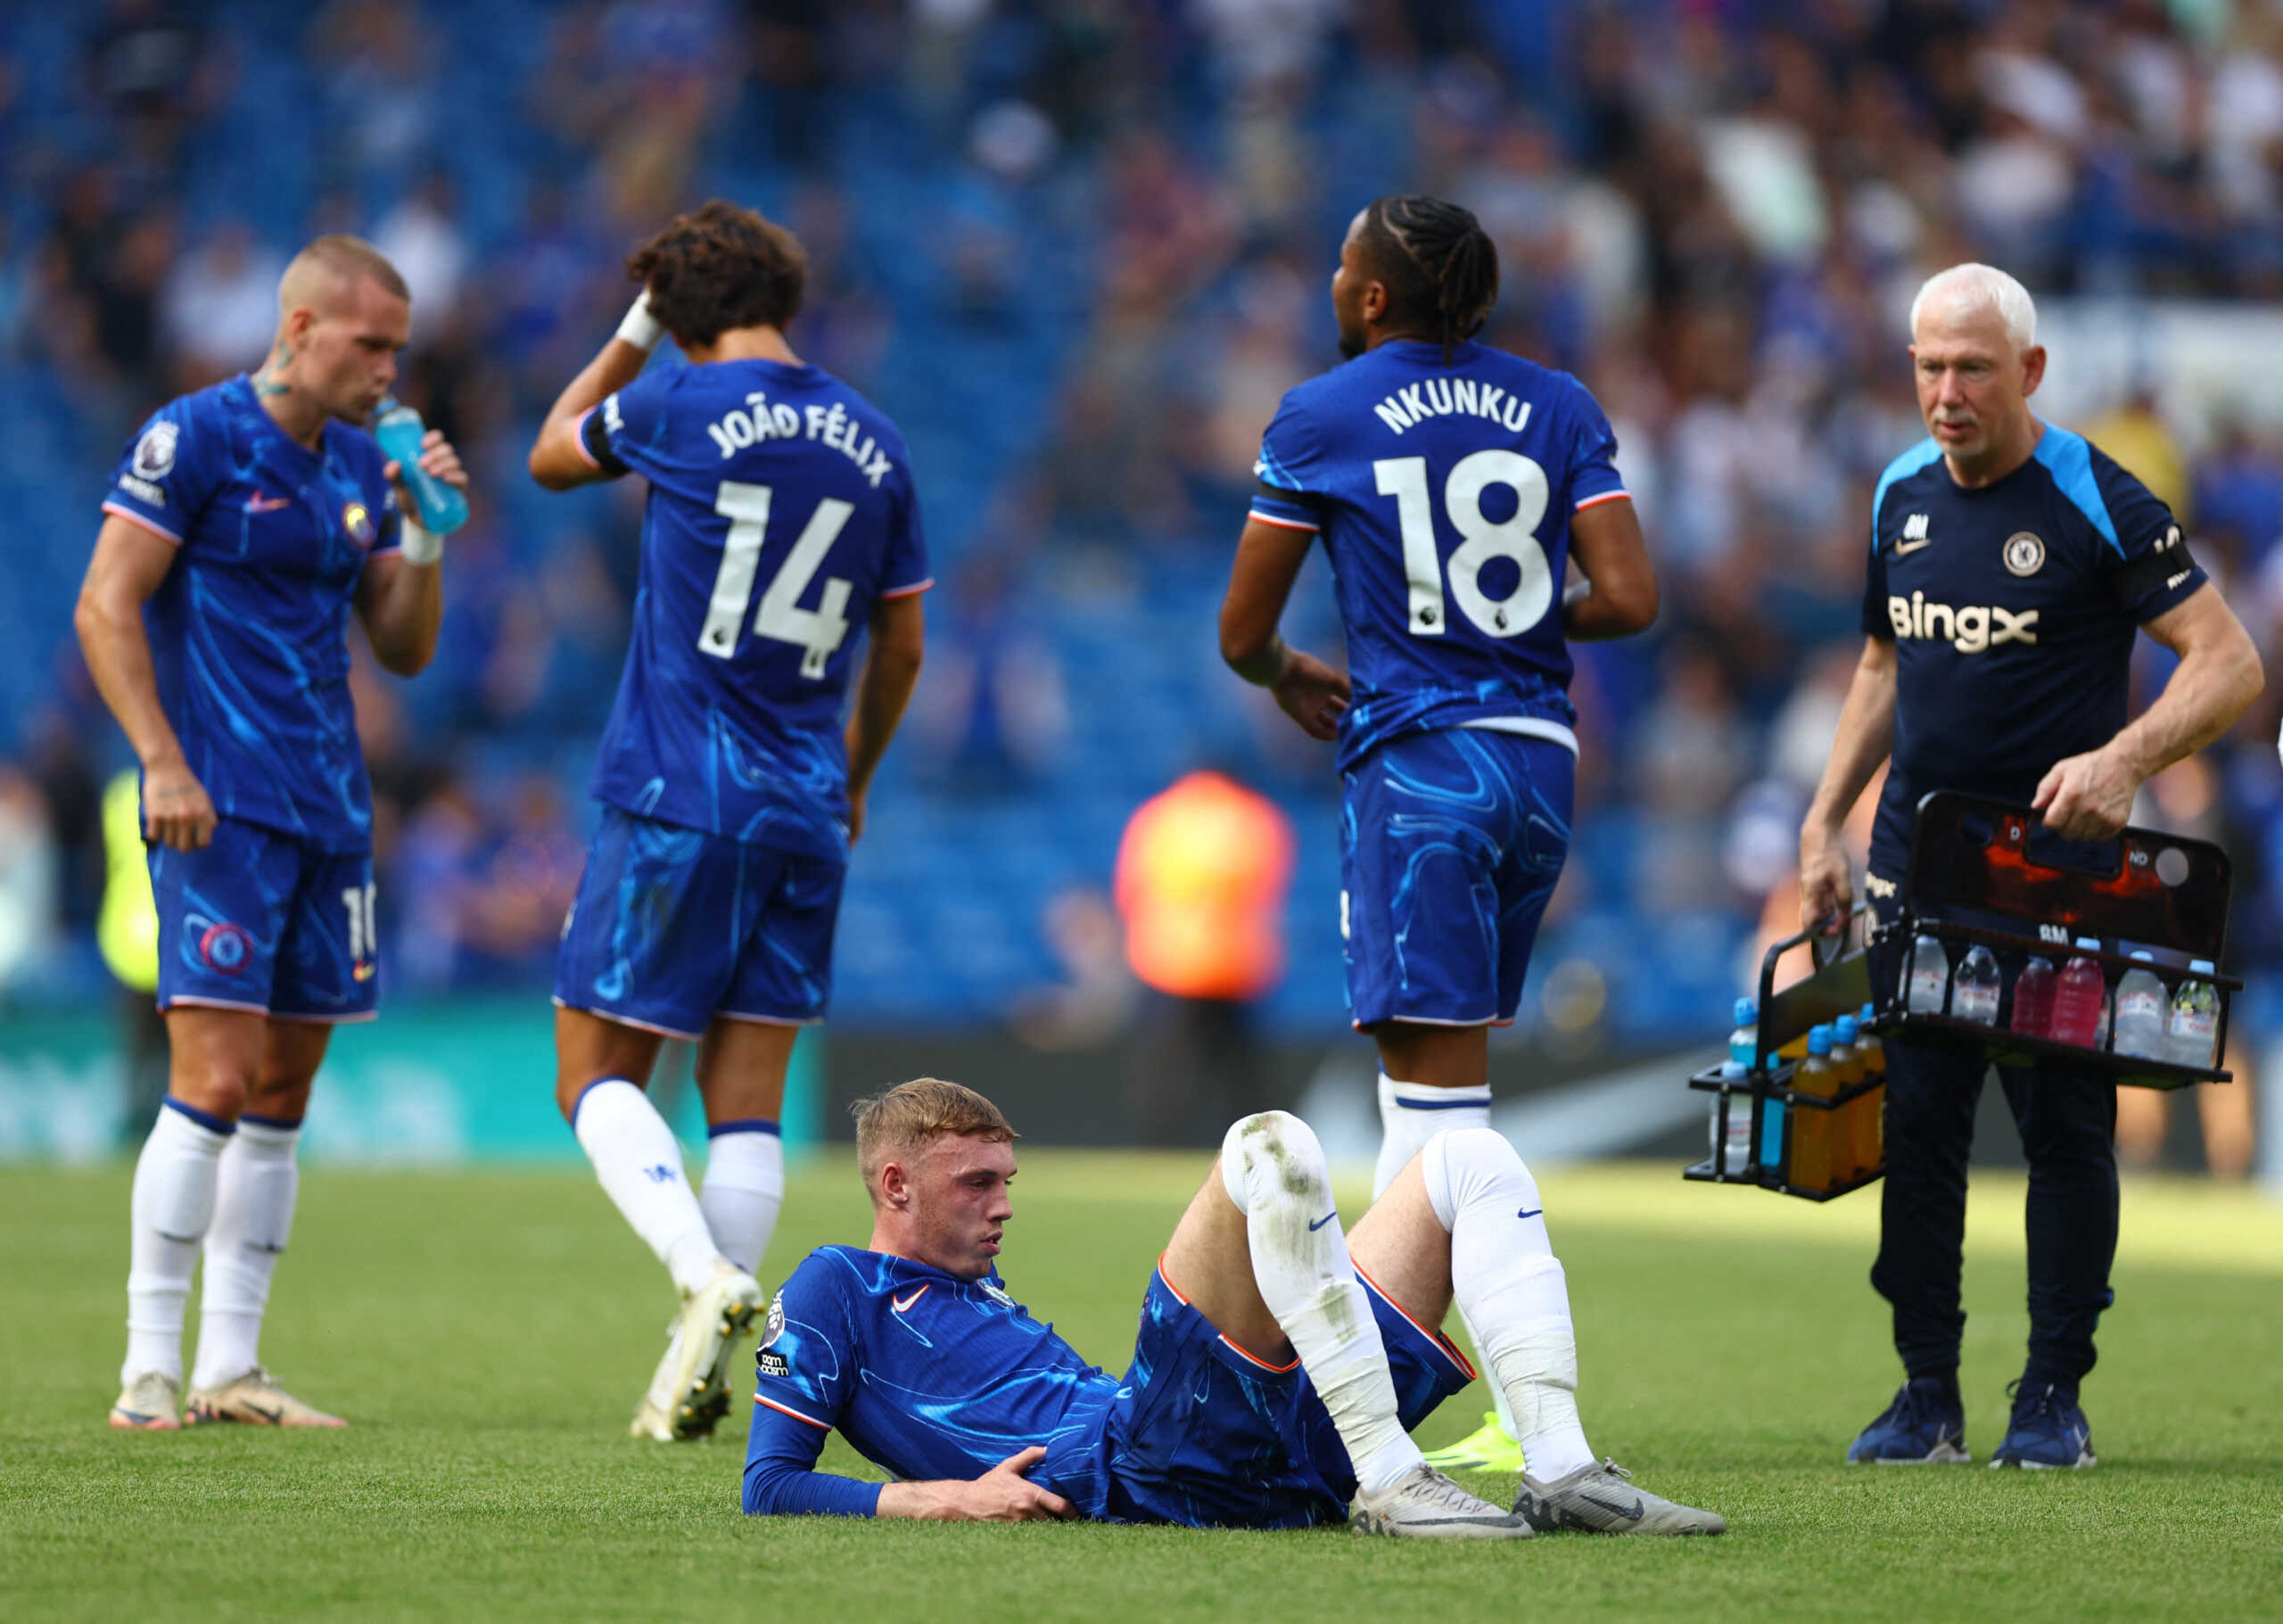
point(1275, 1372)
point(242, 525)
point(2011, 564)
point(781, 528)
point(1451, 486)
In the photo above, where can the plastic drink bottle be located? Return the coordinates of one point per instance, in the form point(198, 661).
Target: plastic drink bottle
point(1930, 976)
point(1813, 1133)
point(2140, 1010)
point(2079, 993)
point(1847, 1061)
point(1732, 1143)
point(1867, 1125)
point(2192, 1023)
point(1973, 996)
point(2034, 999)
point(441, 507)
point(1743, 1042)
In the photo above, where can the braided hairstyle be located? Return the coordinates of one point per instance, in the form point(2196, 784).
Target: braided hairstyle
point(1439, 266)
point(720, 267)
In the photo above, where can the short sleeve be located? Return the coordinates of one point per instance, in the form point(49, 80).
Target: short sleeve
point(904, 569)
point(806, 1365)
point(1593, 475)
point(1289, 494)
point(626, 433)
point(1877, 621)
point(166, 476)
point(2149, 567)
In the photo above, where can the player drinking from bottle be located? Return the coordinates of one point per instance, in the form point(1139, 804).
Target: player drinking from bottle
point(781, 530)
point(243, 524)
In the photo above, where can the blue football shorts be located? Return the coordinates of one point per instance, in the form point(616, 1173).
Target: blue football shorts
point(255, 919)
point(674, 926)
point(1204, 1434)
point(1450, 845)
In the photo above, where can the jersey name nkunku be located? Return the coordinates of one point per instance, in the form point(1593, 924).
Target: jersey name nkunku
point(928, 1376)
point(249, 631)
point(2012, 607)
point(780, 511)
point(1443, 495)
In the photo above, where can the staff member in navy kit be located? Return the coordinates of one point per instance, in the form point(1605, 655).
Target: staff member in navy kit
point(2010, 564)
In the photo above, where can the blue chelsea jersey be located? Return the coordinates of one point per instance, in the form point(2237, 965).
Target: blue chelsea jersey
point(780, 511)
point(925, 1374)
point(249, 631)
point(2012, 607)
point(1443, 495)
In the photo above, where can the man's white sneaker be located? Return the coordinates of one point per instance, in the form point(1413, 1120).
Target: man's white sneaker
point(255, 1398)
point(689, 1392)
point(1424, 1504)
point(1602, 1499)
point(148, 1404)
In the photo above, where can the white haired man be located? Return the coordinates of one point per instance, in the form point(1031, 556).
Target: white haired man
point(2011, 563)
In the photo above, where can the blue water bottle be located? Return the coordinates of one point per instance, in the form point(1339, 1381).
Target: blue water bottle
point(443, 510)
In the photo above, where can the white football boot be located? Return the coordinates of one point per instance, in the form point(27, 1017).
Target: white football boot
point(689, 1392)
point(1424, 1504)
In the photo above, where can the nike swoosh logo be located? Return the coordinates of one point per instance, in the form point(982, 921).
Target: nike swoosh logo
point(903, 1304)
point(1904, 549)
point(262, 501)
point(264, 1246)
point(1631, 1514)
point(1320, 1223)
point(1529, 1212)
point(272, 1416)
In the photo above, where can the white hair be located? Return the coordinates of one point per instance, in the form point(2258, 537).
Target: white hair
point(1982, 284)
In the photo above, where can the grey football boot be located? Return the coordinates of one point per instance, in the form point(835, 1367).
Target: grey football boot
point(1602, 1499)
point(1422, 1503)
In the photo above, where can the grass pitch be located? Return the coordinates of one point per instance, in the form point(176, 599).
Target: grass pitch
point(488, 1334)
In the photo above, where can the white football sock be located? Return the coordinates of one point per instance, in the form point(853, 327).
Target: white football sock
point(744, 1187)
point(1412, 1113)
point(1509, 1286)
point(639, 1161)
point(253, 1216)
point(1274, 1170)
point(172, 1203)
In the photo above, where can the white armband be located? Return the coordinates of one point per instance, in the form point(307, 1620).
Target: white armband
point(1576, 593)
point(421, 544)
point(640, 328)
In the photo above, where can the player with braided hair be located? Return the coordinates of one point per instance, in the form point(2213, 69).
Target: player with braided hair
point(1452, 485)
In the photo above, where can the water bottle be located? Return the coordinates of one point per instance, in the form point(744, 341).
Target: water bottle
point(1973, 996)
point(1732, 1146)
point(2034, 999)
point(2079, 993)
point(2140, 1010)
point(1930, 976)
point(2192, 1024)
point(441, 507)
point(1743, 1042)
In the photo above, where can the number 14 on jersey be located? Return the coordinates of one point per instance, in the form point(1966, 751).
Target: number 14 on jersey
point(818, 633)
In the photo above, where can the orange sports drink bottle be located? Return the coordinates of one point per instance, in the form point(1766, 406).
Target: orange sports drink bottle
point(1815, 1134)
point(1870, 1113)
point(1847, 1061)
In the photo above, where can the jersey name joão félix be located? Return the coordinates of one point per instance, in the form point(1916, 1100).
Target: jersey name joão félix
point(928, 1376)
point(2012, 607)
point(1443, 495)
point(780, 510)
point(249, 631)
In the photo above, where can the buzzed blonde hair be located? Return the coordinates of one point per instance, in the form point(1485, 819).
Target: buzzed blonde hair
point(1982, 284)
point(909, 1117)
point(347, 257)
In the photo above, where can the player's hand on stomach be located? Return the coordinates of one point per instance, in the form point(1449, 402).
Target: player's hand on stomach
point(1826, 888)
point(438, 459)
point(1004, 1495)
point(2088, 797)
point(1312, 694)
point(176, 810)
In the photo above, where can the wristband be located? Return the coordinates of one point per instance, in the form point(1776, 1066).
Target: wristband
point(421, 544)
point(640, 328)
point(1577, 594)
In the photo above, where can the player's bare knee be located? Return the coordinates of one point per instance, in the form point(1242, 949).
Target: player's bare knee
point(219, 1091)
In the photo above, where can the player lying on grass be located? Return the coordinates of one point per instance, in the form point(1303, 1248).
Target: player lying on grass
point(1276, 1374)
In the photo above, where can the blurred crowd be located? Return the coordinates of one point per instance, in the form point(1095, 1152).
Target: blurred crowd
point(1079, 247)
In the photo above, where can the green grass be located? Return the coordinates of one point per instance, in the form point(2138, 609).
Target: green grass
point(487, 1333)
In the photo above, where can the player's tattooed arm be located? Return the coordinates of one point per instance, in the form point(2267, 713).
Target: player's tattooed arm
point(1310, 692)
point(128, 565)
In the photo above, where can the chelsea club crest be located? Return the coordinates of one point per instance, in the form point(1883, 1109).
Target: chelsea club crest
point(2025, 553)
